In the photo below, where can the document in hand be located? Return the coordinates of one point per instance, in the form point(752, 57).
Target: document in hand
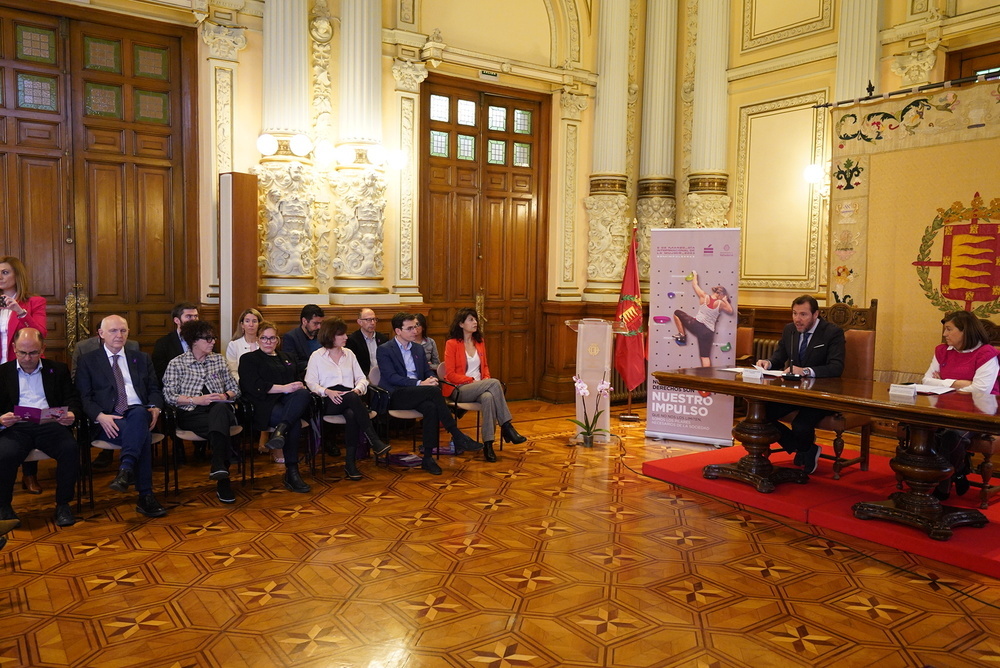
point(39, 415)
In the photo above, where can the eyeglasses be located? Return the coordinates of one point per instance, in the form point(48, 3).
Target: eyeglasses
point(410, 328)
point(368, 319)
point(210, 339)
point(27, 353)
point(267, 339)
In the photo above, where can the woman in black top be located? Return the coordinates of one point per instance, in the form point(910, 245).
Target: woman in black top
point(269, 381)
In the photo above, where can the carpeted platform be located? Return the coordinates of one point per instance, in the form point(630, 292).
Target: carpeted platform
point(827, 503)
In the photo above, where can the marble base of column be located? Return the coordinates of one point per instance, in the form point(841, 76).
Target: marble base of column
point(921, 469)
point(358, 285)
point(756, 434)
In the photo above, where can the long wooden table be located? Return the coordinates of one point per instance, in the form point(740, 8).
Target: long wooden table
point(916, 461)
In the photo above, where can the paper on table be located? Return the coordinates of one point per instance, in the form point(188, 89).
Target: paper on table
point(932, 389)
point(766, 372)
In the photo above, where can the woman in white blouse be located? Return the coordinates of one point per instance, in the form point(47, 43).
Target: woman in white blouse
point(333, 373)
point(244, 339)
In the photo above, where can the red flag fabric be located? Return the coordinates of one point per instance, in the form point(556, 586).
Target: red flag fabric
point(630, 348)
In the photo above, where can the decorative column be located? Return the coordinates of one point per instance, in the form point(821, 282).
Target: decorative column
point(857, 49)
point(408, 78)
point(707, 201)
point(360, 188)
point(286, 185)
point(607, 204)
point(656, 205)
point(571, 106)
point(224, 44)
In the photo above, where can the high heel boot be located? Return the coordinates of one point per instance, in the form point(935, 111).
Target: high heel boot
point(488, 453)
point(350, 465)
point(509, 434)
point(378, 447)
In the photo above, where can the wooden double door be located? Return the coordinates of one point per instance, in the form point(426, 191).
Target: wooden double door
point(482, 225)
point(95, 140)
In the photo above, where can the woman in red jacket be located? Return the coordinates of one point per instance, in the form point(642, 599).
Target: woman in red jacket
point(19, 309)
point(469, 378)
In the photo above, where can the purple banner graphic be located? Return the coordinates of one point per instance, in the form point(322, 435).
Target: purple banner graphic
point(693, 279)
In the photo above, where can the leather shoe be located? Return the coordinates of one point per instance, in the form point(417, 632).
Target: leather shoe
point(225, 491)
point(293, 481)
point(148, 505)
point(103, 460)
point(122, 481)
point(7, 514)
point(430, 465)
point(64, 515)
point(6, 526)
point(961, 485)
point(277, 440)
point(29, 484)
point(488, 452)
point(509, 434)
point(464, 443)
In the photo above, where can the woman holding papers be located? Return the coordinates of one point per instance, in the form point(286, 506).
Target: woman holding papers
point(18, 309)
point(968, 363)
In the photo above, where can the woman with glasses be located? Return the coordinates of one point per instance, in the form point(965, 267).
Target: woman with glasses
point(19, 309)
point(279, 399)
point(334, 374)
point(430, 346)
point(468, 377)
point(199, 383)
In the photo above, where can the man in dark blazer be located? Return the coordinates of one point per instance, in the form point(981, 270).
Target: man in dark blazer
point(300, 342)
point(412, 385)
point(171, 345)
point(365, 341)
point(124, 404)
point(104, 458)
point(29, 380)
point(812, 348)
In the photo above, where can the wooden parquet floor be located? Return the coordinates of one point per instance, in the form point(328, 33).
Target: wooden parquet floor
point(554, 556)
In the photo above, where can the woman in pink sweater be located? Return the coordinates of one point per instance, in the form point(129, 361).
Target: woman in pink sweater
point(967, 362)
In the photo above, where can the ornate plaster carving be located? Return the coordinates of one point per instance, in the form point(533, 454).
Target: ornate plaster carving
point(607, 236)
point(407, 140)
point(572, 105)
point(631, 117)
point(359, 224)
point(408, 75)
point(686, 110)
point(914, 66)
point(708, 210)
point(287, 193)
point(224, 42)
point(321, 32)
point(406, 12)
point(223, 119)
point(569, 202)
point(753, 40)
point(652, 212)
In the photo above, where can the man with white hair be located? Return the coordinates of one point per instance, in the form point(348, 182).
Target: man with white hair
point(121, 395)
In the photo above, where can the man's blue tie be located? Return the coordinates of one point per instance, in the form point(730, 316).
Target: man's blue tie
point(803, 344)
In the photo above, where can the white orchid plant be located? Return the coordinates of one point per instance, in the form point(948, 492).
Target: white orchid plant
point(589, 425)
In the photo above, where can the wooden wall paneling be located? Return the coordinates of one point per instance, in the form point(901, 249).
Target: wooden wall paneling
point(246, 269)
point(152, 238)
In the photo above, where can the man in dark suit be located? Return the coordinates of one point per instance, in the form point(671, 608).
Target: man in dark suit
point(813, 348)
point(104, 458)
point(365, 341)
point(405, 374)
point(122, 397)
point(301, 342)
point(171, 345)
point(31, 381)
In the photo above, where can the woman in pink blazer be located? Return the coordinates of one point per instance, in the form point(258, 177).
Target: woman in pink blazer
point(19, 309)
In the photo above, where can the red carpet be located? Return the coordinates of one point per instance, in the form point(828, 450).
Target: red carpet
point(827, 503)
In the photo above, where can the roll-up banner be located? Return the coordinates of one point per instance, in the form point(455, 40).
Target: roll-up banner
point(693, 278)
